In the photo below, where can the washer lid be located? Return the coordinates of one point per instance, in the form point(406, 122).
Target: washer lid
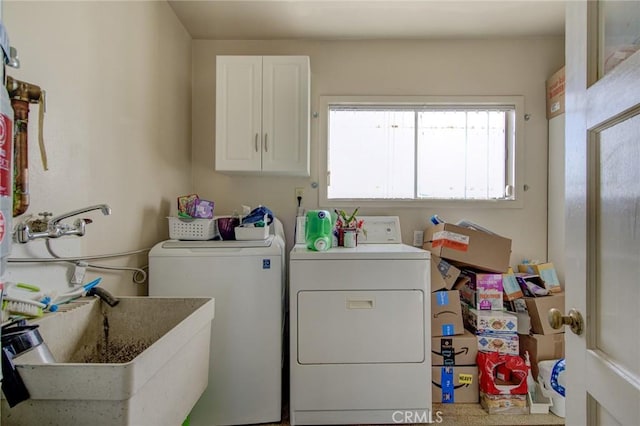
point(218, 243)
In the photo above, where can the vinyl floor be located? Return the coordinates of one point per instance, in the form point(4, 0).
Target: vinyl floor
point(471, 414)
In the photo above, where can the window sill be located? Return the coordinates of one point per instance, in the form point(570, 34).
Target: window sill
point(423, 204)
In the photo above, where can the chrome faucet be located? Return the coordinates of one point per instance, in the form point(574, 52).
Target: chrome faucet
point(55, 227)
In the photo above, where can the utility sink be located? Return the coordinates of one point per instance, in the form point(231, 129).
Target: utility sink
point(142, 362)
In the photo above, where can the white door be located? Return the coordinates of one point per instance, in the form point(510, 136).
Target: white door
point(238, 113)
point(285, 114)
point(602, 211)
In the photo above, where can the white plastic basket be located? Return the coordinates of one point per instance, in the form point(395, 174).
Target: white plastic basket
point(191, 229)
point(249, 234)
point(253, 233)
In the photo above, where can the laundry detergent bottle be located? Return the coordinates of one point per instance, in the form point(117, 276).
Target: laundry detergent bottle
point(318, 229)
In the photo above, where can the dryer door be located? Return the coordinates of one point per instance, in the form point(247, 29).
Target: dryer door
point(357, 327)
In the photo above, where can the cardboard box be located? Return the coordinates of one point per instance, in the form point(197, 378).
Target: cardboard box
point(502, 343)
point(443, 274)
point(546, 272)
point(518, 305)
point(490, 321)
point(446, 313)
point(538, 309)
point(468, 296)
point(524, 322)
point(504, 404)
point(555, 94)
point(487, 287)
point(503, 373)
point(510, 287)
point(454, 350)
point(541, 347)
point(454, 385)
point(522, 280)
point(468, 247)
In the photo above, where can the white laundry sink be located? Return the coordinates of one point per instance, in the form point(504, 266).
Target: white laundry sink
point(155, 379)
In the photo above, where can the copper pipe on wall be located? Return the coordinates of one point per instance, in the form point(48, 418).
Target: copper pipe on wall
point(21, 157)
point(21, 95)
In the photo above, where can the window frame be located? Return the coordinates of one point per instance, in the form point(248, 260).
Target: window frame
point(421, 101)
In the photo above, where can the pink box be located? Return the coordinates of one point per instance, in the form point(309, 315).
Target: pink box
point(488, 289)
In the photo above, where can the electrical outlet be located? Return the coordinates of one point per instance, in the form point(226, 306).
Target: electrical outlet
point(299, 192)
point(417, 238)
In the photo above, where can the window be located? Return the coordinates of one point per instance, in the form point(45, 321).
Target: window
point(389, 150)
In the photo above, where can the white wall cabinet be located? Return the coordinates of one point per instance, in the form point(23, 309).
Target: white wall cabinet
point(262, 114)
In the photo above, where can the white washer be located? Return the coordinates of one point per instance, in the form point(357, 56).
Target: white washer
point(359, 331)
point(247, 280)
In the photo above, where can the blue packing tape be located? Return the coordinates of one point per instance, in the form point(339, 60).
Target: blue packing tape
point(446, 381)
point(442, 298)
point(448, 330)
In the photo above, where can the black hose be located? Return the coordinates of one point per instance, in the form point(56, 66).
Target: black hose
point(104, 295)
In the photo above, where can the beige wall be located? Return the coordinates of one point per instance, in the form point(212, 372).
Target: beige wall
point(555, 227)
point(479, 67)
point(118, 117)
point(128, 90)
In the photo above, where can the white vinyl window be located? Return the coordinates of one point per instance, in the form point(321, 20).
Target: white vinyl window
point(417, 150)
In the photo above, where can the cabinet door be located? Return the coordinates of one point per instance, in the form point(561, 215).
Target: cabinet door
point(238, 113)
point(285, 114)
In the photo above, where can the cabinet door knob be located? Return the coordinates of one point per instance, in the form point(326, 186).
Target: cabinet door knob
point(256, 142)
point(266, 147)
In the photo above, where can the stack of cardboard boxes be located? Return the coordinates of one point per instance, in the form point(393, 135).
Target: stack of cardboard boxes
point(454, 373)
point(541, 340)
point(471, 267)
point(496, 331)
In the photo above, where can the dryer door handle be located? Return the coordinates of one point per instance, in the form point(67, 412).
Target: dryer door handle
point(360, 304)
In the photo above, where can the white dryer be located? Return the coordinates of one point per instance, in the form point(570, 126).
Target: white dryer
point(359, 331)
point(247, 281)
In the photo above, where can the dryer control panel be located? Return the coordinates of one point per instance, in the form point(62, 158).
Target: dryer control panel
point(380, 230)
